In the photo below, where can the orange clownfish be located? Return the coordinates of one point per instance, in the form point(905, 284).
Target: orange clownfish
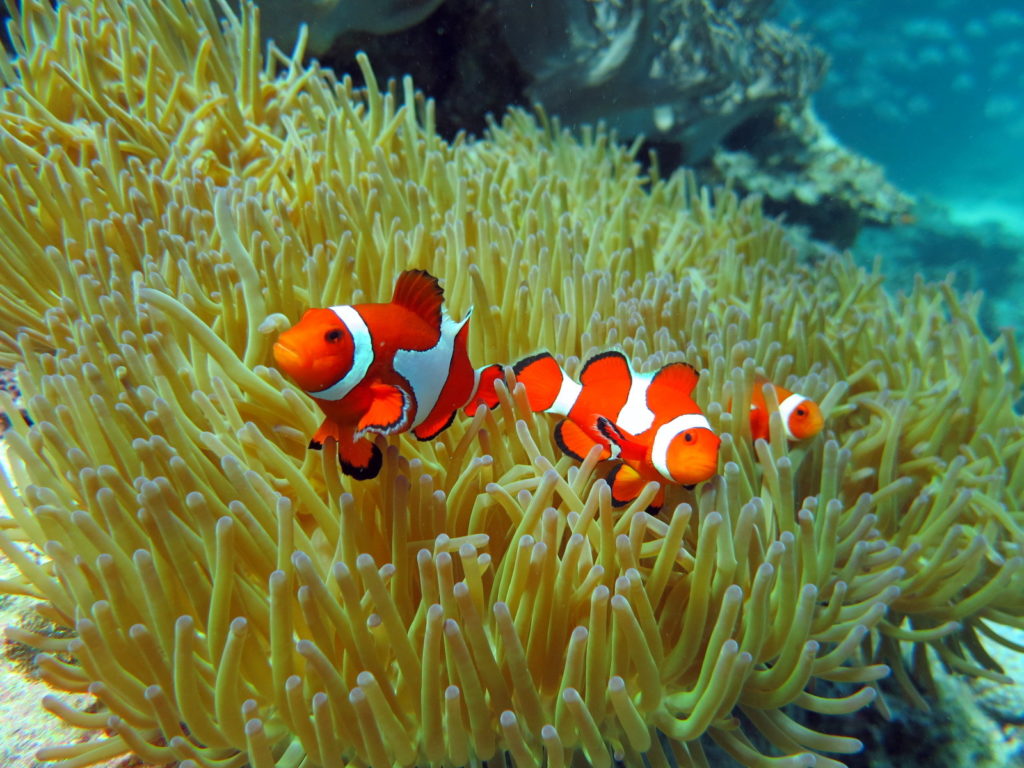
point(801, 417)
point(648, 420)
point(384, 369)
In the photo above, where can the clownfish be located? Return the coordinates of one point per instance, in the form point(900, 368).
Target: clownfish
point(384, 369)
point(801, 417)
point(648, 420)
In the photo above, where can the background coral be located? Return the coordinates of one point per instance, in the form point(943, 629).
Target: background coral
point(721, 87)
point(327, 20)
point(171, 202)
point(801, 172)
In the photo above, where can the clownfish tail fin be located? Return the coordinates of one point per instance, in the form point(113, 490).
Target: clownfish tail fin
point(484, 392)
point(543, 379)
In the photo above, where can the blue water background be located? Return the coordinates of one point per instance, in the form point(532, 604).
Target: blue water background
point(934, 91)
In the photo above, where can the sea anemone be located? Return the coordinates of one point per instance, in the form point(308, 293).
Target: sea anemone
point(170, 203)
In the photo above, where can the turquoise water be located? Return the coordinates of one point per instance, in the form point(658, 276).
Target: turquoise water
point(934, 91)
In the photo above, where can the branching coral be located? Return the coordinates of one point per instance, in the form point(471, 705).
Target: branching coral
point(170, 203)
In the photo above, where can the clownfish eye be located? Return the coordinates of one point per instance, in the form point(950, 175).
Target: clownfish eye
point(801, 411)
point(688, 437)
point(333, 335)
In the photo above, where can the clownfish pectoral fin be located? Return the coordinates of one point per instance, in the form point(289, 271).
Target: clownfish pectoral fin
point(629, 448)
point(484, 392)
point(542, 377)
point(626, 484)
point(669, 385)
point(418, 291)
point(389, 411)
point(327, 429)
point(574, 442)
point(360, 459)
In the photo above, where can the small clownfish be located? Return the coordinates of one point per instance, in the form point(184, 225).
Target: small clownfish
point(648, 420)
point(384, 369)
point(801, 417)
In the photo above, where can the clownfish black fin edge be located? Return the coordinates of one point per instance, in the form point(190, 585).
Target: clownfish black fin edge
point(389, 411)
point(605, 366)
point(367, 472)
point(565, 433)
point(430, 434)
point(608, 428)
point(617, 503)
point(526, 362)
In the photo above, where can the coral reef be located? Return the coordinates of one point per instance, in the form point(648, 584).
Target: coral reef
point(25, 724)
point(977, 255)
point(715, 86)
point(969, 721)
point(689, 72)
point(791, 158)
point(171, 202)
point(326, 20)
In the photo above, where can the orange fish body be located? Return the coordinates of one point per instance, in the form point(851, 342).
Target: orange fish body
point(384, 369)
point(648, 421)
point(801, 417)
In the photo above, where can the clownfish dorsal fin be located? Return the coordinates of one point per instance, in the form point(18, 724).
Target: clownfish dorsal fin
point(606, 368)
point(671, 382)
point(759, 383)
point(418, 291)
